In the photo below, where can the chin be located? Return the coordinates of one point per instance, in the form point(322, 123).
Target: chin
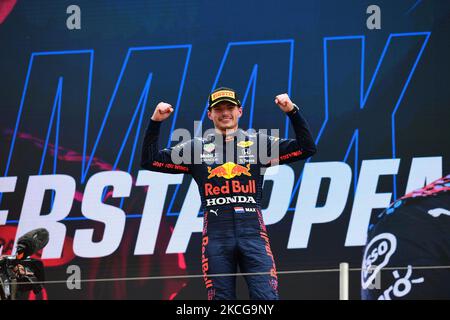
point(224, 125)
point(229, 126)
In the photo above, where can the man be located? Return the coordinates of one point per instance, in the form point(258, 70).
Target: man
point(234, 232)
point(407, 255)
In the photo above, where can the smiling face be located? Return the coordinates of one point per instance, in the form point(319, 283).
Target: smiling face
point(225, 116)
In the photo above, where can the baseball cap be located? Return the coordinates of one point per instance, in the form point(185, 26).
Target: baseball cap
point(223, 94)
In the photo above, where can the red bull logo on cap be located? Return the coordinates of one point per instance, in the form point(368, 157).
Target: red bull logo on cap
point(229, 170)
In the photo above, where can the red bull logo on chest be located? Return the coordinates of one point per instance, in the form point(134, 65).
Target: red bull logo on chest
point(229, 170)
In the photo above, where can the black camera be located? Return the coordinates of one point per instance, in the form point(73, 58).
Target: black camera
point(19, 273)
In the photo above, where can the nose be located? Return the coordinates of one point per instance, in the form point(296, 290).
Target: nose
point(226, 111)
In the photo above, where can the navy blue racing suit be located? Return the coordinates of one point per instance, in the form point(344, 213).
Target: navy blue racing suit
point(407, 255)
point(234, 233)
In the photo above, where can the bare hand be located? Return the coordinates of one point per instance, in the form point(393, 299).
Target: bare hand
point(284, 102)
point(162, 111)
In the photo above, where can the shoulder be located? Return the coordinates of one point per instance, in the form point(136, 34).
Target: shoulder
point(185, 144)
point(260, 136)
point(422, 211)
point(264, 136)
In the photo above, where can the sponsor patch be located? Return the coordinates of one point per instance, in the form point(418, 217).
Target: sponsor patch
point(402, 285)
point(376, 256)
point(245, 144)
point(229, 200)
point(222, 93)
point(209, 147)
point(239, 210)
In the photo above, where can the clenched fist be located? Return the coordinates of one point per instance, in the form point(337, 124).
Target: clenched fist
point(284, 102)
point(162, 111)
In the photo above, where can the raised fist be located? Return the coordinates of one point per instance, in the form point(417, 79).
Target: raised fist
point(284, 102)
point(162, 111)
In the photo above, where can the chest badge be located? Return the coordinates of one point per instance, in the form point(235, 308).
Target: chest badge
point(245, 144)
point(209, 147)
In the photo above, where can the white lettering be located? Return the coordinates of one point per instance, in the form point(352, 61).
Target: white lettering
point(367, 199)
point(94, 209)
point(157, 183)
point(423, 171)
point(31, 218)
point(306, 212)
point(280, 197)
point(188, 221)
point(7, 184)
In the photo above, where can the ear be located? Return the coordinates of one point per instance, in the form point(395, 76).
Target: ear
point(209, 115)
point(240, 112)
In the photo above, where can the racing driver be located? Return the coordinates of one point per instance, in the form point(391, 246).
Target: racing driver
point(229, 174)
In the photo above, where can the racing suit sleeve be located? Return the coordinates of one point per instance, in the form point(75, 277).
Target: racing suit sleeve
point(154, 159)
point(290, 150)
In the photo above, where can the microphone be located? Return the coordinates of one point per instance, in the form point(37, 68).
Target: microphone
point(31, 242)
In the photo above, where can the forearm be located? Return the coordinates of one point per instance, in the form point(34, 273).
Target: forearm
point(154, 159)
point(303, 134)
point(150, 144)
